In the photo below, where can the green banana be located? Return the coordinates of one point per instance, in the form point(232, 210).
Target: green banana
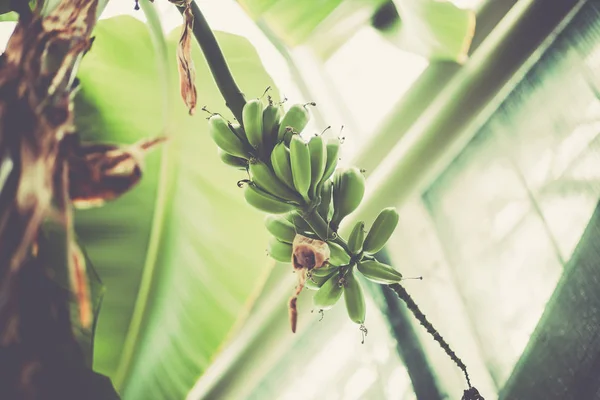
point(224, 137)
point(329, 293)
point(314, 282)
point(240, 133)
point(281, 228)
point(378, 272)
point(325, 205)
point(356, 238)
point(338, 256)
point(318, 158)
point(300, 224)
point(300, 162)
point(348, 191)
point(355, 298)
point(265, 179)
point(231, 160)
point(266, 202)
point(287, 137)
point(252, 118)
point(381, 230)
point(333, 150)
point(280, 159)
point(326, 270)
point(280, 251)
point(296, 118)
point(271, 117)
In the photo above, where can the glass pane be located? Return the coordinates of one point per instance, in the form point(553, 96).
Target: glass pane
point(511, 208)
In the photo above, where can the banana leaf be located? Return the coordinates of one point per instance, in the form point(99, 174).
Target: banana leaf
point(182, 254)
point(436, 29)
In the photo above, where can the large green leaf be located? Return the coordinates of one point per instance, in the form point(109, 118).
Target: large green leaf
point(182, 253)
point(436, 29)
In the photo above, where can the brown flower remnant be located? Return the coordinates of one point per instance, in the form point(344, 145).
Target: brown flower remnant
point(307, 254)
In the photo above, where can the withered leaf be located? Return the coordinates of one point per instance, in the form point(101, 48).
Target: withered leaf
point(102, 172)
point(187, 71)
point(79, 283)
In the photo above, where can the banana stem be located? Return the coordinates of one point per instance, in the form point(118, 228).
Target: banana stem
point(416, 311)
point(234, 98)
point(322, 229)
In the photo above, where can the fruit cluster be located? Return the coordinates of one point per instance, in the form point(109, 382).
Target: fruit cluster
point(308, 196)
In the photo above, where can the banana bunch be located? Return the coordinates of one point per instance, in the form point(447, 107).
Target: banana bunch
point(290, 178)
point(285, 171)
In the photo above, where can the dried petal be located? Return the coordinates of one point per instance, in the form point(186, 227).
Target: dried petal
point(309, 253)
point(293, 312)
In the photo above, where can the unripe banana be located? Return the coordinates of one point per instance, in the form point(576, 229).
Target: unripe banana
point(329, 293)
point(281, 228)
point(266, 202)
point(287, 137)
point(315, 282)
point(231, 160)
point(333, 150)
point(240, 133)
point(280, 251)
point(381, 230)
point(271, 117)
point(348, 191)
point(252, 117)
point(355, 298)
point(265, 179)
point(224, 137)
point(378, 272)
point(318, 158)
point(295, 118)
point(299, 223)
point(356, 238)
point(324, 208)
point(300, 162)
point(338, 255)
point(326, 270)
point(280, 159)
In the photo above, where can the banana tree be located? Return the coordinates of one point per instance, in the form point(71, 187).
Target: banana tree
point(181, 251)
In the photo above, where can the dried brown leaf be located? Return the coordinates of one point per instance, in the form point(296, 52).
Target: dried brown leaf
point(100, 172)
point(80, 286)
point(187, 72)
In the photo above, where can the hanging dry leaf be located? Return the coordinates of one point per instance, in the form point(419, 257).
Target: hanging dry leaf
point(79, 285)
point(102, 172)
point(187, 72)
